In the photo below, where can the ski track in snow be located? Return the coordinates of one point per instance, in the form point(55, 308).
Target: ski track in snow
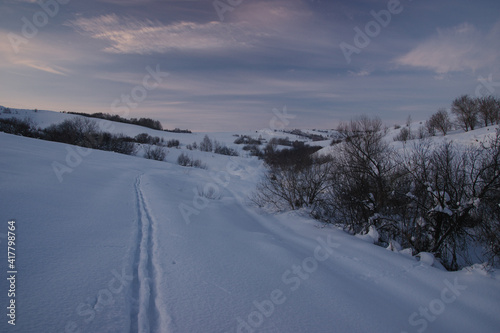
point(149, 312)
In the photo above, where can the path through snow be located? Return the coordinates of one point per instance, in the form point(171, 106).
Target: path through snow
point(149, 315)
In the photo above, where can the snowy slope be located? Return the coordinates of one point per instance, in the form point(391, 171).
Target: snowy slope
point(44, 118)
point(125, 244)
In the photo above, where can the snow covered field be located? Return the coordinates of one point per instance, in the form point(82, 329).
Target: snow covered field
point(125, 244)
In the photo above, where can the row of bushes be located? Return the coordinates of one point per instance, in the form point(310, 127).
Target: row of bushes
point(145, 122)
point(212, 146)
point(145, 138)
point(16, 126)
point(248, 140)
point(439, 199)
point(85, 132)
point(310, 136)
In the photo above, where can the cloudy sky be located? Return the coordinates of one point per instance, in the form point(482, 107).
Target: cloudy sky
point(224, 65)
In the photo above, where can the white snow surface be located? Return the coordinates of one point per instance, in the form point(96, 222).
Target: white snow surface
point(125, 244)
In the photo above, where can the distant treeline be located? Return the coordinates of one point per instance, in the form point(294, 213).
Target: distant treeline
point(145, 122)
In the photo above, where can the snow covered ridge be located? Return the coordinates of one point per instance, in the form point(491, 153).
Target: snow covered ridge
point(109, 250)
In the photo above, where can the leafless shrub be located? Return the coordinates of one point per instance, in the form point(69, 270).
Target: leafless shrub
point(157, 153)
point(489, 110)
point(185, 160)
point(466, 111)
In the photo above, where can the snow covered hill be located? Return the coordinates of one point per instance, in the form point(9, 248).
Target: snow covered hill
point(126, 244)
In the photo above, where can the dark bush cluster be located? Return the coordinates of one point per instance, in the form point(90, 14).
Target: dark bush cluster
point(253, 149)
point(145, 138)
point(247, 140)
point(157, 153)
point(295, 178)
point(300, 156)
point(84, 132)
point(78, 131)
point(178, 130)
point(185, 160)
point(437, 199)
point(24, 127)
point(224, 150)
point(281, 142)
point(145, 122)
point(117, 143)
point(209, 145)
point(310, 136)
point(173, 143)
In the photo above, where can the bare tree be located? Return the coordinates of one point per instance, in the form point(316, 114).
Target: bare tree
point(439, 121)
point(363, 170)
point(488, 109)
point(465, 109)
point(490, 209)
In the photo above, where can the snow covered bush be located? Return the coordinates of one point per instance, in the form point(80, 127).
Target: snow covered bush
point(453, 195)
